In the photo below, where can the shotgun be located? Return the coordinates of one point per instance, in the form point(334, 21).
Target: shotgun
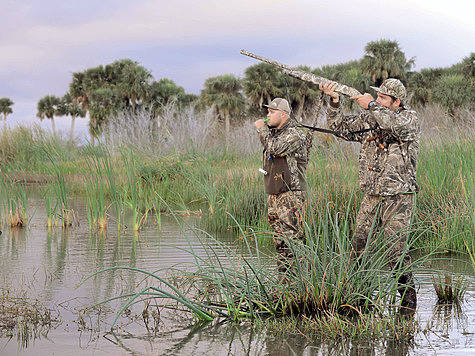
point(302, 75)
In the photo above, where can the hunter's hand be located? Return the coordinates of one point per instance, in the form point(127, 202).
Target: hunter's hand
point(329, 89)
point(259, 123)
point(363, 100)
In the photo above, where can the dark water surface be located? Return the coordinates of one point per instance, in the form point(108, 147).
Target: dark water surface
point(48, 267)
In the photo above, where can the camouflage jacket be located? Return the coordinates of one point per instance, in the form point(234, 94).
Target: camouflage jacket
point(388, 154)
point(285, 158)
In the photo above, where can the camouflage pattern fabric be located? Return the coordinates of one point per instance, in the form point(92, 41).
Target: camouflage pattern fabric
point(392, 87)
point(393, 214)
point(285, 217)
point(290, 142)
point(315, 79)
point(389, 152)
point(387, 171)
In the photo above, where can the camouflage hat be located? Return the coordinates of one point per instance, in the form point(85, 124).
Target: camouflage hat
point(392, 87)
point(279, 104)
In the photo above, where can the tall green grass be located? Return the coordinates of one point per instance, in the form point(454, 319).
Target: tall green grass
point(101, 187)
point(445, 204)
point(134, 193)
point(50, 207)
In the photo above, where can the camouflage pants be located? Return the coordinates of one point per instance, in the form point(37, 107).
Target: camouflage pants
point(393, 214)
point(285, 217)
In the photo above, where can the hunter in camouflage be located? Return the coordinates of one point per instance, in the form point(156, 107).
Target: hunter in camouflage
point(285, 159)
point(389, 134)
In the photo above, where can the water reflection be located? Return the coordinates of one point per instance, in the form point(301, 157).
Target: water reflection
point(226, 339)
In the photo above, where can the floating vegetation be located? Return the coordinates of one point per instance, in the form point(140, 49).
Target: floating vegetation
point(25, 317)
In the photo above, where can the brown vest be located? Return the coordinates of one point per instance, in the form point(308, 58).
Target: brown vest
point(277, 180)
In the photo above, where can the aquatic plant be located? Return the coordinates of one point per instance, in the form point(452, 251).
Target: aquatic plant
point(132, 193)
point(449, 289)
point(51, 209)
point(66, 214)
point(14, 201)
point(96, 201)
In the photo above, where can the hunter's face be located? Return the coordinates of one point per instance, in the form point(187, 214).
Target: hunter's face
point(387, 101)
point(276, 118)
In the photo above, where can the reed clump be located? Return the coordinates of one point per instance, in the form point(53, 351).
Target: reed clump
point(449, 289)
point(14, 216)
point(14, 199)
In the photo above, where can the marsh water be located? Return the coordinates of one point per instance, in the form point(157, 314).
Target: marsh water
point(47, 267)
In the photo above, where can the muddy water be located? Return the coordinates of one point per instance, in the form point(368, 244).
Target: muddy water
point(49, 266)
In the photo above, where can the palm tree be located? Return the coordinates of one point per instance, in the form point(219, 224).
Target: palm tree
point(384, 59)
point(165, 92)
point(95, 91)
point(301, 93)
point(131, 79)
point(224, 93)
point(105, 90)
point(262, 82)
point(105, 102)
point(69, 107)
point(47, 107)
point(5, 109)
point(78, 91)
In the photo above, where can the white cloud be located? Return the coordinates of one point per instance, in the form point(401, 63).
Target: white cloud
point(184, 22)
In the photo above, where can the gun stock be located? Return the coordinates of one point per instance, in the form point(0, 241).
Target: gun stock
point(302, 75)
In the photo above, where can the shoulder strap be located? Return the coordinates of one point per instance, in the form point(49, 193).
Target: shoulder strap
point(336, 133)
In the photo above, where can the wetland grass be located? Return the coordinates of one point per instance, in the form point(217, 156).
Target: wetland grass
point(50, 209)
point(446, 201)
point(101, 187)
point(192, 179)
point(326, 286)
point(449, 289)
point(66, 215)
point(133, 193)
point(14, 200)
point(96, 202)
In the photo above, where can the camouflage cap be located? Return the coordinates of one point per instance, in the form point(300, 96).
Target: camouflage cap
point(392, 87)
point(279, 104)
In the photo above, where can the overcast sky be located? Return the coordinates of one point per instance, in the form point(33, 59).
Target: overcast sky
point(188, 41)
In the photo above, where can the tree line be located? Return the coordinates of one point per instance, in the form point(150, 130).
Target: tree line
point(105, 90)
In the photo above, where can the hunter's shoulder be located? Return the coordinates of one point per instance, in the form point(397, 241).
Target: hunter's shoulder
point(407, 111)
point(294, 129)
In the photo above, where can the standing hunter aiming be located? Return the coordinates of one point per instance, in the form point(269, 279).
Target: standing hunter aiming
point(285, 159)
point(389, 134)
